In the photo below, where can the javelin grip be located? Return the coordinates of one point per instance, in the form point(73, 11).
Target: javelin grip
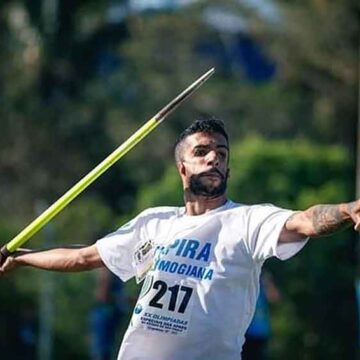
point(4, 254)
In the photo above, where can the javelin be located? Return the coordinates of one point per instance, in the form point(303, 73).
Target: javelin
point(80, 186)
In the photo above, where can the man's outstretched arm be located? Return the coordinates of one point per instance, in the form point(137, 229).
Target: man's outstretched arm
point(58, 259)
point(321, 220)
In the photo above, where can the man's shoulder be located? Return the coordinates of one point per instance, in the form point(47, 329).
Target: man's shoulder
point(235, 205)
point(161, 212)
point(251, 208)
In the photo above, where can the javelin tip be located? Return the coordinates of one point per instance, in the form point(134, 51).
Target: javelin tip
point(208, 73)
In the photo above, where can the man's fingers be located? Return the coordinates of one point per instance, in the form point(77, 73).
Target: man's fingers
point(7, 266)
point(357, 226)
point(356, 219)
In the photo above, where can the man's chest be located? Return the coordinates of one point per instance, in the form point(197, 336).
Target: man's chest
point(205, 250)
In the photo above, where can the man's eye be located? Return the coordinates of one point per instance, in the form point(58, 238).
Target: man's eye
point(200, 152)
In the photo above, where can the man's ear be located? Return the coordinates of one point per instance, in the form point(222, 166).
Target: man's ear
point(181, 168)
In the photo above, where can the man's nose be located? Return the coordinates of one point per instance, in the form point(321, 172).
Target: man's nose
point(212, 158)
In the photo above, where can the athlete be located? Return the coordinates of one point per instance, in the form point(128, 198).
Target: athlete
point(200, 263)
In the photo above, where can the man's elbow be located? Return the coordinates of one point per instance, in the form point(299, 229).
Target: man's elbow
point(287, 236)
point(297, 228)
point(88, 258)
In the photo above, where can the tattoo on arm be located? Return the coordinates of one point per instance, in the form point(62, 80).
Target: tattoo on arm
point(327, 219)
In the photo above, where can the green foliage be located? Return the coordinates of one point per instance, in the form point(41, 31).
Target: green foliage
point(167, 190)
point(291, 173)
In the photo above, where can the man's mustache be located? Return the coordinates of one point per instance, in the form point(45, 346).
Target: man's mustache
point(211, 172)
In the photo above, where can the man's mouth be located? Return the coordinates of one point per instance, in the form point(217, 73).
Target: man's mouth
point(213, 173)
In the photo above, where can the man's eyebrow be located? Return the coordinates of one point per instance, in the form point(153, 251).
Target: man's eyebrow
point(208, 146)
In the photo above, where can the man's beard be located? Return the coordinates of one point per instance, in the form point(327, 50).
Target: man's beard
point(200, 187)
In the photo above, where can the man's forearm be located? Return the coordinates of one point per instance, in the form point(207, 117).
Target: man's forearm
point(327, 219)
point(321, 220)
point(60, 259)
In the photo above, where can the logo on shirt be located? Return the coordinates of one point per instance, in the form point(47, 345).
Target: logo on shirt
point(143, 258)
point(193, 258)
point(138, 309)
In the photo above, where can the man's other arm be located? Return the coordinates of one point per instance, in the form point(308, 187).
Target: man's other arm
point(321, 220)
point(58, 259)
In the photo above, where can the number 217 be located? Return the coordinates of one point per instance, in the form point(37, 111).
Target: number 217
point(162, 287)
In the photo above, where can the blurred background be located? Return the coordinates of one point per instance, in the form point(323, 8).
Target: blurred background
point(78, 77)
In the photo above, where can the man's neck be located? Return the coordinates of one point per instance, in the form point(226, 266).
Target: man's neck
point(198, 205)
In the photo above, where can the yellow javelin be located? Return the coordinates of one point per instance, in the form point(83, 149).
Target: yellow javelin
point(80, 186)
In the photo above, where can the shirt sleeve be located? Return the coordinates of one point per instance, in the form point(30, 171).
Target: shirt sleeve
point(116, 249)
point(265, 223)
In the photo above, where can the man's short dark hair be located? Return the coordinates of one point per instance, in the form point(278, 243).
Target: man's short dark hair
point(209, 126)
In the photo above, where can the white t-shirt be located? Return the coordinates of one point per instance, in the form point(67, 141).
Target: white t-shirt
point(202, 277)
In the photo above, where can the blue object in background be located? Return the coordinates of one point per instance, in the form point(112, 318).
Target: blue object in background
point(260, 324)
point(250, 56)
point(357, 289)
point(239, 52)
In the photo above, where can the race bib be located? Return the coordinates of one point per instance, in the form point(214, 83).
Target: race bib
point(164, 306)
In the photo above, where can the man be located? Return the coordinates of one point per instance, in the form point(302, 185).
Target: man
point(202, 261)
